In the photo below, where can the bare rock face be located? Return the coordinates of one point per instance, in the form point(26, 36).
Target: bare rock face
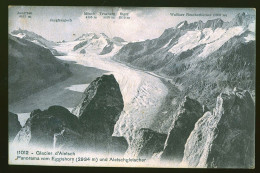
point(118, 145)
point(92, 128)
point(100, 107)
point(83, 51)
point(41, 127)
point(188, 113)
point(14, 126)
point(146, 143)
point(224, 138)
point(99, 110)
point(68, 139)
point(108, 48)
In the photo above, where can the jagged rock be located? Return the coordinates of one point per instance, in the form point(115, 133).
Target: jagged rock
point(118, 145)
point(90, 130)
point(82, 51)
point(42, 125)
point(146, 143)
point(14, 126)
point(99, 110)
point(108, 48)
point(35, 112)
point(182, 24)
point(215, 23)
point(242, 19)
point(205, 109)
point(188, 114)
point(224, 139)
point(68, 139)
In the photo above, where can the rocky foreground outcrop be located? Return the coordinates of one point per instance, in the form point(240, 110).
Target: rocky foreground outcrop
point(42, 126)
point(99, 110)
point(145, 143)
point(187, 115)
point(14, 126)
point(224, 138)
point(90, 130)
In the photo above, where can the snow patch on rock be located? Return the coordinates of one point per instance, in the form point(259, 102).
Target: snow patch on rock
point(249, 37)
point(20, 35)
point(213, 39)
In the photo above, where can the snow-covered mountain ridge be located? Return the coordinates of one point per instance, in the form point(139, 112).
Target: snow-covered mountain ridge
point(37, 39)
point(98, 43)
point(203, 59)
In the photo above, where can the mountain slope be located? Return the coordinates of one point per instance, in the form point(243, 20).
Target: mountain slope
point(31, 68)
point(203, 59)
point(224, 138)
point(37, 39)
point(13, 126)
point(188, 113)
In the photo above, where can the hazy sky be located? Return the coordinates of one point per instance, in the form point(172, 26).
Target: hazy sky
point(144, 23)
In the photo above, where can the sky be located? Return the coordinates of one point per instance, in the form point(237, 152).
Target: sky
point(144, 23)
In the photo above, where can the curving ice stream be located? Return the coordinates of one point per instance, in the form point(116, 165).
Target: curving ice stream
point(143, 93)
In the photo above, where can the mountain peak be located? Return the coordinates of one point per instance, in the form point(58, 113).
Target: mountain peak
point(215, 23)
point(239, 18)
point(181, 24)
point(104, 35)
point(23, 31)
point(86, 35)
point(242, 19)
point(241, 15)
point(33, 37)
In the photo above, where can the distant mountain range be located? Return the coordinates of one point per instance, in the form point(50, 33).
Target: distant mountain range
point(203, 59)
point(37, 39)
point(98, 43)
point(88, 43)
point(33, 65)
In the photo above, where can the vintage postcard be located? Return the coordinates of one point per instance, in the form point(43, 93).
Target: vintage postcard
point(131, 86)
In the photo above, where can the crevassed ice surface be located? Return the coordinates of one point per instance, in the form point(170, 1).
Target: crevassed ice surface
point(142, 93)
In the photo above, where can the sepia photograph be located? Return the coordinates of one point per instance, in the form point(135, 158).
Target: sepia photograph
point(150, 87)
